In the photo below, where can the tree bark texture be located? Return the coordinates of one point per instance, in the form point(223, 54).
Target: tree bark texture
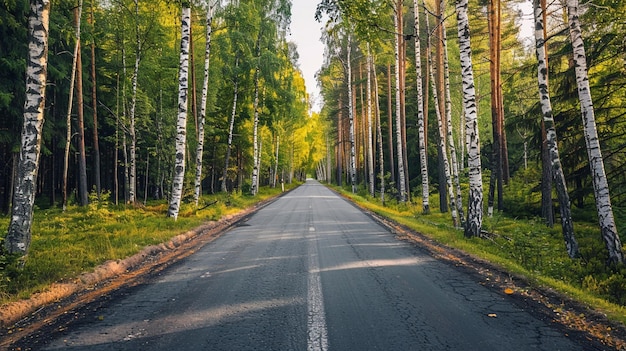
point(473, 225)
point(551, 137)
point(19, 233)
point(608, 229)
point(181, 127)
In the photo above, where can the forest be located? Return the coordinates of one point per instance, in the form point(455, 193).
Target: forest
point(441, 105)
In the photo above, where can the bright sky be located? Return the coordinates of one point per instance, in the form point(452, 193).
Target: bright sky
point(306, 34)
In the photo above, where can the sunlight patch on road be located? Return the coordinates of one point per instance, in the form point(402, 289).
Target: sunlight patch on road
point(410, 261)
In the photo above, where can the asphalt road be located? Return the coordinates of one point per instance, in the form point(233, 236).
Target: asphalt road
point(311, 272)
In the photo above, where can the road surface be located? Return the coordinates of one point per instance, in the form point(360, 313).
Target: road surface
point(311, 272)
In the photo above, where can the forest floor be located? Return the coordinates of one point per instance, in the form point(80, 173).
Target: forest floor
point(26, 322)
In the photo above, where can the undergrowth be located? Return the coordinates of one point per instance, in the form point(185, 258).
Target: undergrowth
point(524, 244)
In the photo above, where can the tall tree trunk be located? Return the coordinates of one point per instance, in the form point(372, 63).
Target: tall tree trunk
point(548, 121)
point(473, 225)
point(203, 107)
point(255, 131)
point(379, 136)
point(275, 177)
point(606, 219)
point(230, 129)
point(351, 117)
point(496, 117)
point(181, 127)
point(402, 87)
point(392, 165)
point(401, 174)
point(458, 202)
point(94, 105)
point(442, 148)
point(132, 177)
point(116, 187)
point(83, 197)
point(421, 139)
point(19, 234)
point(70, 104)
point(370, 151)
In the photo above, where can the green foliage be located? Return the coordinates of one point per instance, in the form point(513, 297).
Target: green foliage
point(524, 244)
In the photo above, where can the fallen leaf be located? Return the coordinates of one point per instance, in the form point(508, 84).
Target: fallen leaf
point(508, 291)
point(492, 315)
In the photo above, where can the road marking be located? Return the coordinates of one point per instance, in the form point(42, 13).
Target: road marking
point(317, 332)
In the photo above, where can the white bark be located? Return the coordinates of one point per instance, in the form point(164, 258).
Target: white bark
point(473, 225)
point(401, 179)
point(255, 132)
point(132, 179)
point(448, 104)
point(370, 151)
point(379, 135)
point(442, 145)
point(608, 229)
point(18, 237)
point(203, 107)
point(421, 130)
point(548, 118)
point(351, 117)
point(181, 127)
point(230, 129)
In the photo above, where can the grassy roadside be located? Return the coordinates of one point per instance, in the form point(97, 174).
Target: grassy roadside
point(66, 244)
point(524, 247)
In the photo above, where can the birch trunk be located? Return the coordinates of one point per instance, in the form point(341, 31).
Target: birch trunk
point(551, 138)
point(442, 145)
point(19, 234)
point(421, 131)
point(606, 219)
point(351, 118)
point(401, 179)
point(181, 127)
point(473, 225)
point(448, 104)
point(379, 135)
point(132, 177)
point(370, 151)
point(230, 130)
point(255, 131)
point(203, 107)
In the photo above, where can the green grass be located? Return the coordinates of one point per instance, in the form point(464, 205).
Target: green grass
point(523, 246)
point(66, 244)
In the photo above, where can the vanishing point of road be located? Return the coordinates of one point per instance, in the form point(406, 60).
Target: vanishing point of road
point(311, 272)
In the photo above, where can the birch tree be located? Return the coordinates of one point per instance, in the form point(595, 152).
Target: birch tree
point(473, 225)
point(458, 202)
point(399, 145)
point(351, 113)
point(19, 234)
point(421, 140)
point(370, 151)
point(231, 127)
point(181, 128)
point(548, 121)
point(203, 103)
point(132, 176)
point(608, 229)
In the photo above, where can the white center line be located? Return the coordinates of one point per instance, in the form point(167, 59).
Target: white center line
point(317, 332)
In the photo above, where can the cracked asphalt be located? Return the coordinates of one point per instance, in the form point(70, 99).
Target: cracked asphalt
point(310, 272)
